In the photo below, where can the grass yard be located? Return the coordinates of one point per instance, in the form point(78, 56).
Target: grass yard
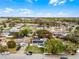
point(34, 49)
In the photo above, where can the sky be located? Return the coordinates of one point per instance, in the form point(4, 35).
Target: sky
point(39, 8)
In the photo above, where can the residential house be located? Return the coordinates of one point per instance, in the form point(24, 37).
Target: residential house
point(39, 42)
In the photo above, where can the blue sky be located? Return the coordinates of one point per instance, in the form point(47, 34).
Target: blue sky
point(39, 8)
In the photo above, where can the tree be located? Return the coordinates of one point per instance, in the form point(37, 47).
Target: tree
point(70, 48)
point(4, 24)
point(11, 24)
point(44, 34)
point(74, 36)
point(3, 49)
point(11, 44)
point(54, 46)
point(1, 29)
point(16, 35)
point(22, 33)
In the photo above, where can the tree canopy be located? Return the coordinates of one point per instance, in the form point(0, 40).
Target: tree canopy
point(54, 46)
point(44, 34)
point(11, 44)
point(74, 36)
point(22, 33)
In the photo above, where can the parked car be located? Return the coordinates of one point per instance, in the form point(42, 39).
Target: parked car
point(63, 58)
point(5, 53)
point(28, 53)
point(74, 52)
point(23, 44)
point(47, 53)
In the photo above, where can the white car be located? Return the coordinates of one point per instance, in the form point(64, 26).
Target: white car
point(23, 44)
point(5, 53)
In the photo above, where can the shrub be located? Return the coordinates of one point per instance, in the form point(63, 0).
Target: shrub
point(11, 44)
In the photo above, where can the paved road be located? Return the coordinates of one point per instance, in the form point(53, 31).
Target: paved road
point(35, 56)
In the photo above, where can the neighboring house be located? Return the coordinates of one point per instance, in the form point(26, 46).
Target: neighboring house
point(2, 41)
point(60, 34)
point(19, 25)
point(14, 29)
point(39, 42)
point(32, 25)
point(8, 33)
point(5, 33)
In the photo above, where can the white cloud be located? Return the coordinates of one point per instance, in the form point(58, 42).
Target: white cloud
point(36, 0)
point(64, 14)
point(59, 2)
point(31, 1)
point(8, 10)
point(44, 14)
point(61, 14)
point(54, 2)
point(62, 2)
point(71, 0)
point(24, 12)
point(15, 12)
point(53, 14)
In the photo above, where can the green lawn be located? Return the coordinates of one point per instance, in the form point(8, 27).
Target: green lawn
point(34, 49)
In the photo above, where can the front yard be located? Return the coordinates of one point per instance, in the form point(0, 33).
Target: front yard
point(34, 49)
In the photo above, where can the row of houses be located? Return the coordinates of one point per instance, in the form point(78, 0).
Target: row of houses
point(56, 31)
